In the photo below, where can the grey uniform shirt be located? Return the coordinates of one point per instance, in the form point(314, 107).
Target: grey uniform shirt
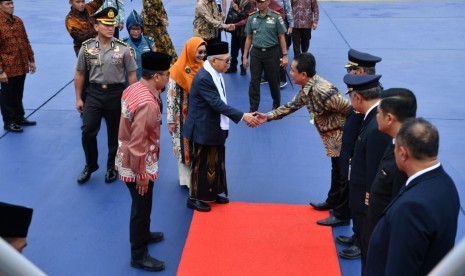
point(265, 29)
point(107, 66)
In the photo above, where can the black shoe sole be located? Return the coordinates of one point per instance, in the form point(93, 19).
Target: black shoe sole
point(344, 243)
point(349, 257)
point(147, 268)
point(342, 223)
point(192, 206)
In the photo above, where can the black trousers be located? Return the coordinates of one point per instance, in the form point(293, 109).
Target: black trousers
point(101, 103)
point(267, 61)
point(237, 43)
point(11, 99)
point(139, 222)
point(301, 39)
point(333, 193)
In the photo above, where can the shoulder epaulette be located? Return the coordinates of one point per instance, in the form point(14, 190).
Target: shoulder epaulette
point(89, 40)
point(275, 12)
point(253, 12)
point(117, 40)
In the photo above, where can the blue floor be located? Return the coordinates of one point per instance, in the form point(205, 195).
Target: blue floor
point(83, 230)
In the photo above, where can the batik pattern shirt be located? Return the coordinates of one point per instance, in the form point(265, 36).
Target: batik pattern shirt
point(15, 50)
point(328, 106)
point(306, 12)
point(207, 20)
point(139, 133)
point(80, 25)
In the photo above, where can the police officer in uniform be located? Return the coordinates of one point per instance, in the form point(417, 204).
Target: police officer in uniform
point(265, 30)
point(108, 60)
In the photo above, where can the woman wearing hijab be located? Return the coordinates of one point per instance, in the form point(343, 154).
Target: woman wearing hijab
point(181, 75)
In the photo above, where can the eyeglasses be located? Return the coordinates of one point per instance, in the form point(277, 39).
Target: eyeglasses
point(227, 60)
point(353, 68)
point(202, 52)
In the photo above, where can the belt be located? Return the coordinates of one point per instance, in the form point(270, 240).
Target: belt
point(266, 49)
point(107, 85)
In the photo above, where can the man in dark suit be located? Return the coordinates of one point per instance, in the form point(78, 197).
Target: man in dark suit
point(419, 227)
point(364, 92)
point(207, 126)
point(396, 106)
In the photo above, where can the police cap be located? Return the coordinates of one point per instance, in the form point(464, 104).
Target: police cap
point(361, 82)
point(106, 16)
point(361, 59)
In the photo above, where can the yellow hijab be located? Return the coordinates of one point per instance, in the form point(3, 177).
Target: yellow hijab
point(185, 68)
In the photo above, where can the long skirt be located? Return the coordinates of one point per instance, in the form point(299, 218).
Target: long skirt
point(208, 177)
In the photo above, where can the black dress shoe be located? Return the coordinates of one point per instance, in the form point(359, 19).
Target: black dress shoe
point(333, 221)
point(243, 71)
point(231, 70)
point(156, 237)
point(26, 122)
point(111, 175)
point(148, 263)
point(13, 127)
point(85, 175)
point(351, 253)
point(198, 205)
point(221, 199)
point(346, 240)
point(323, 206)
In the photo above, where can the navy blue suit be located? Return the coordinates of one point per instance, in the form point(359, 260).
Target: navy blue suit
point(417, 229)
point(202, 124)
point(368, 152)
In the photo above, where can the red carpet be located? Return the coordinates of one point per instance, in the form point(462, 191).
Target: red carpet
point(259, 239)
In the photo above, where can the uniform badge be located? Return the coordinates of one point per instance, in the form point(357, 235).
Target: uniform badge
point(188, 70)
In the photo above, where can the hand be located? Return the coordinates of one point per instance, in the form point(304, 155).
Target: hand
point(120, 26)
point(4, 77)
point(245, 62)
point(171, 128)
point(261, 117)
point(284, 62)
point(314, 25)
point(289, 31)
point(154, 48)
point(80, 106)
point(231, 27)
point(32, 67)
point(142, 186)
point(250, 119)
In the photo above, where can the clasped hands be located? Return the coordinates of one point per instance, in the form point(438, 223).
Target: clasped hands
point(254, 119)
point(230, 27)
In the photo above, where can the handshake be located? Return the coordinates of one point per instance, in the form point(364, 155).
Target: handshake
point(254, 119)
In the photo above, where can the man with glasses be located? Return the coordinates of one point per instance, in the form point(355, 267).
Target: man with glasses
point(107, 59)
point(207, 126)
point(265, 30)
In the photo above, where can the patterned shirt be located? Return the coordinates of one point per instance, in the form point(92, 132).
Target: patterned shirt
point(139, 133)
point(329, 107)
point(80, 24)
point(305, 12)
point(15, 50)
point(207, 20)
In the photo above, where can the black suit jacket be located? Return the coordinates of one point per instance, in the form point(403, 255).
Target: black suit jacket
point(417, 229)
point(202, 124)
point(385, 187)
point(369, 149)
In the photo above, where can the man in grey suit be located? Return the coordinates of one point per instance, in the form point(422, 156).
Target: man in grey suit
point(419, 227)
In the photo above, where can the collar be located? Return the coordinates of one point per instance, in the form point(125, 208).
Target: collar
point(152, 90)
point(370, 109)
point(417, 174)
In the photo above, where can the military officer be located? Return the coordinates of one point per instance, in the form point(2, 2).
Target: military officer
point(265, 30)
point(108, 60)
